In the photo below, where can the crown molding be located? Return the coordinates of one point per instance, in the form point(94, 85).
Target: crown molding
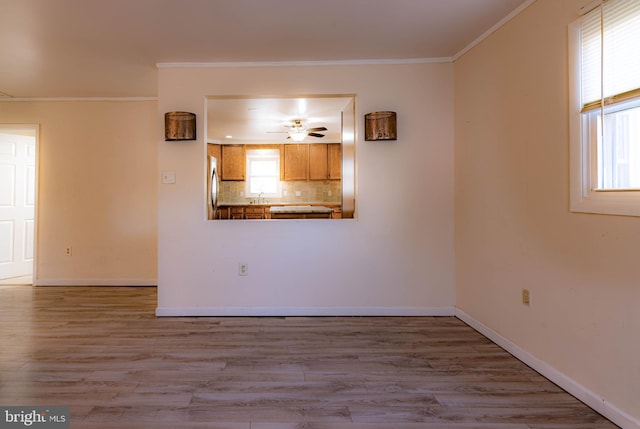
point(305, 63)
point(2, 99)
point(493, 29)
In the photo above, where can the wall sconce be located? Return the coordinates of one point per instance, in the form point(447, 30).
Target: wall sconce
point(380, 126)
point(179, 126)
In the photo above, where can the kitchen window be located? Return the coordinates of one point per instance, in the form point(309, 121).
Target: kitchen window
point(263, 173)
point(605, 108)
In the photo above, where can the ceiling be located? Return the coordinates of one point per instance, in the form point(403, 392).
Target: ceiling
point(268, 120)
point(110, 48)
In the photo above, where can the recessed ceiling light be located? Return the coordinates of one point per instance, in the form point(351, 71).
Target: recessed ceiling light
point(229, 136)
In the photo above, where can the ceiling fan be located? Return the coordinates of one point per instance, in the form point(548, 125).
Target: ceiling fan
point(297, 131)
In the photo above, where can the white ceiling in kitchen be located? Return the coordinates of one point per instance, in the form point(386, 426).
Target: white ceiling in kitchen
point(267, 120)
point(97, 48)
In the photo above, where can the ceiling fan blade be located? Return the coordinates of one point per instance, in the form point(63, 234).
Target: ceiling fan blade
point(315, 135)
point(317, 129)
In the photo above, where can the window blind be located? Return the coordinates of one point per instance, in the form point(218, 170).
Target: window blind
point(610, 54)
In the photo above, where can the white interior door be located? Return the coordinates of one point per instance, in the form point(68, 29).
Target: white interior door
point(17, 202)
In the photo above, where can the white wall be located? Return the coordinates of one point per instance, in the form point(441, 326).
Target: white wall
point(514, 229)
point(395, 258)
point(96, 190)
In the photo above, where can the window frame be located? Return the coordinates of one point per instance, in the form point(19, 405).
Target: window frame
point(584, 195)
point(272, 155)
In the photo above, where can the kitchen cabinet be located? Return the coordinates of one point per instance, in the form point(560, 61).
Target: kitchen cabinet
point(334, 157)
point(318, 162)
point(238, 212)
point(233, 162)
point(214, 150)
point(300, 162)
point(296, 162)
point(281, 211)
point(255, 212)
point(325, 161)
point(222, 213)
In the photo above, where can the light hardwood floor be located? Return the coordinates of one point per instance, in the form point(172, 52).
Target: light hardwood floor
point(102, 352)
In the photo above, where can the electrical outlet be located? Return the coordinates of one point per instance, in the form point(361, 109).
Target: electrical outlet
point(243, 269)
point(68, 251)
point(526, 297)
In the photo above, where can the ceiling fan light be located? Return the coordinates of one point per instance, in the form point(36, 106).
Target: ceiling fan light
point(298, 135)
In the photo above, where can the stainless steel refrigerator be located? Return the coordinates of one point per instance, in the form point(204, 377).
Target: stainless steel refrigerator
point(213, 187)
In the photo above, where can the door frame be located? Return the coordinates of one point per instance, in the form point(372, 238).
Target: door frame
point(35, 128)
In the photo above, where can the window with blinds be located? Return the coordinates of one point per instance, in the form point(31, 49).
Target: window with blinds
point(610, 69)
point(605, 99)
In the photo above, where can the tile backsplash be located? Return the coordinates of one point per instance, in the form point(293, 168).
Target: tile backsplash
point(313, 191)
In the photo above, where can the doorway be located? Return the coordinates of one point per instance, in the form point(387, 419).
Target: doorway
point(18, 145)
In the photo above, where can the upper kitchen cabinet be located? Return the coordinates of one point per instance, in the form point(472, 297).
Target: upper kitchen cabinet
point(335, 161)
point(214, 150)
point(318, 162)
point(325, 161)
point(233, 162)
point(296, 162)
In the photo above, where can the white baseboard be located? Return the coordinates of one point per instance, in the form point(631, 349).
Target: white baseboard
point(583, 394)
point(304, 311)
point(95, 282)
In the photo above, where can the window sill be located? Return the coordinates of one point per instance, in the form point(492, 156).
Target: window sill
point(608, 202)
point(617, 190)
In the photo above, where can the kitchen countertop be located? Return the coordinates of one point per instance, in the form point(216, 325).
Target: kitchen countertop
point(277, 204)
point(300, 209)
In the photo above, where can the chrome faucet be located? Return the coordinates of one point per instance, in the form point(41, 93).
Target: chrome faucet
point(257, 200)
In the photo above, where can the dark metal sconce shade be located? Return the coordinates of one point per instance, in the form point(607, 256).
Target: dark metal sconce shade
point(179, 126)
point(380, 126)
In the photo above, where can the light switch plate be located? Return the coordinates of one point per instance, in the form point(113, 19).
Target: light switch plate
point(168, 177)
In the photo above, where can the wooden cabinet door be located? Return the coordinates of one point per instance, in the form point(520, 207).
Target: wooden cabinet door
point(214, 150)
point(254, 212)
point(334, 157)
point(296, 162)
point(236, 213)
point(233, 163)
point(223, 213)
point(318, 161)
